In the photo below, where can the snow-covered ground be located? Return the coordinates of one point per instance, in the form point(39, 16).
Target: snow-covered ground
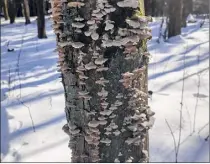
point(32, 100)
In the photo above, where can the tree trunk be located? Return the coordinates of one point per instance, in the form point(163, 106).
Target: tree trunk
point(26, 12)
point(187, 9)
point(19, 9)
point(103, 62)
point(153, 7)
point(175, 18)
point(41, 19)
point(148, 7)
point(32, 5)
point(5, 8)
point(12, 11)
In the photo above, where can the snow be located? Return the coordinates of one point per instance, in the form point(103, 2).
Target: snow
point(31, 93)
point(190, 18)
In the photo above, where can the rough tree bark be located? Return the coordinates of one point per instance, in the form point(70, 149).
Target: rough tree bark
point(41, 19)
point(12, 10)
point(175, 17)
point(5, 9)
point(26, 11)
point(103, 62)
point(187, 9)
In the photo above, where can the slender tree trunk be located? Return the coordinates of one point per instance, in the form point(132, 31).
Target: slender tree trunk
point(26, 12)
point(103, 61)
point(41, 19)
point(12, 11)
point(5, 8)
point(175, 17)
point(19, 9)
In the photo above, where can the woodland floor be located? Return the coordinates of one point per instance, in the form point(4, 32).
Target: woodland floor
point(31, 90)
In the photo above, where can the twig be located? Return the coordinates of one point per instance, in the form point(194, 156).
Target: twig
point(50, 98)
point(198, 91)
point(196, 104)
point(189, 119)
point(9, 83)
point(181, 108)
point(18, 63)
point(203, 127)
point(175, 147)
point(29, 111)
point(207, 138)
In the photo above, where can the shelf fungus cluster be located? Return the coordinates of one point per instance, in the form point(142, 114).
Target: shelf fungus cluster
point(82, 41)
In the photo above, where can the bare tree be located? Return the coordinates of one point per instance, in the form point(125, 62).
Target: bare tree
point(103, 61)
point(41, 19)
point(26, 11)
point(175, 17)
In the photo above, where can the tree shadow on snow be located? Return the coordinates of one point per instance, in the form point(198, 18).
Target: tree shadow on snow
point(181, 67)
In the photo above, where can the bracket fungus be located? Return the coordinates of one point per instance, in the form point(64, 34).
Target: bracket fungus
point(132, 140)
point(90, 66)
point(93, 123)
point(100, 69)
point(102, 81)
point(132, 23)
point(116, 133)
point(77, 45)
point(103, 93)
point(94, 130)
point(100, 60)
point(106, 112)
point(109, 26)
point(78, 25)
point(128, 3)
point(91, 22)
point(113, 107)
point(106, 141)
point(103, 122)
point(79, 19)
point(112, 116)
point(101, 118)
point(117, 160)
point(75, 131)
point(94, 36)
point(87, 33)
point(76, 4)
